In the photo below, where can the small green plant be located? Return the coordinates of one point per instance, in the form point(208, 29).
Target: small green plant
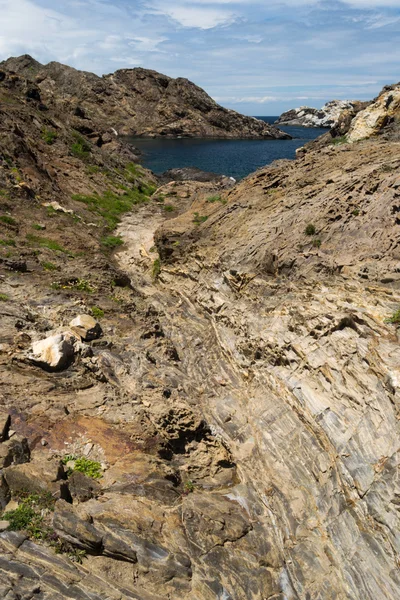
point(197, 219)
point(7, 242)
point(82, 285)
point(49, 136)
point(112, 241)
point(80, 148)
point(310, 229)
point(217, 198)
point(169, 208)
point(395, 318)
point(8, 220)
point(45, 243)
point(49, 266)
point(38, 227)
point(97, 312)
point(156, 270)
point(355, 212)
point(339, 140)
point(90, 169)
point(4, 298)
point(88, 467)
point(30, 515)
point(17, 174)
point(188, 487)
point(316, 243)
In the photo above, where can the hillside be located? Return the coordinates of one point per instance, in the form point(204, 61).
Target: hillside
point(137, 102)
point(199, 386)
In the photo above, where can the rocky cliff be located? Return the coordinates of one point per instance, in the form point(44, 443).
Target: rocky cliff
point(199, 390)
point(137, 102)
point(327, 116)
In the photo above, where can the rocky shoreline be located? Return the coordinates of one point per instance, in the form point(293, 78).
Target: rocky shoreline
point(199, 391)
point(325, 117)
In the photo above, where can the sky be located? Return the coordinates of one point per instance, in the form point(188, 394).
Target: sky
point(259, 57)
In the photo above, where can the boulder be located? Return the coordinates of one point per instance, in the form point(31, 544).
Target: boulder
point(86, 327)
point(41, 474)
point(55, 352)
point(14, 452)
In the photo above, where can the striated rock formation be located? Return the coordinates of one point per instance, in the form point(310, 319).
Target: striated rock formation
point(327, 116)
point(234, 432)
point(382, 117)
point(137, 102)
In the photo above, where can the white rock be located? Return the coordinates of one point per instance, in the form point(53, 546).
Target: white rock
point(86, 327)
point(4, 525)
point(55, 352)
point(57, 206)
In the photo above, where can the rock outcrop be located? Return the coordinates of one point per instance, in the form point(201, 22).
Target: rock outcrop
point(382, 117)
point(137, 102)
point(327, 116)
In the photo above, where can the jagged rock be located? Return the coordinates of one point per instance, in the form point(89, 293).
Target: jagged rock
point(327, 116)
point(140, 102)
point(5, 423)
point(55, 352)
point(86, 327)
point(41, 473)
point(83, 488)
point(14, 451)
point(379, 118)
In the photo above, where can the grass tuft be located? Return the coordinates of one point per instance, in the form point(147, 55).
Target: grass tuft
point(310, 229)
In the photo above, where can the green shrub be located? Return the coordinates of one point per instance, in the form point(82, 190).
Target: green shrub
point(316, 243)
point(29, 516)
point(49, 266)
point(197, 219)
point(7, 242)
point(395, 318)
point(355, 212)
point(339, 140)
point(217, 198)
point(97, 312)
point(169, 208)
point(111, 206)
point(38, 227)
point(80, 148)
point(112, 241)
point(45, 243)
point(188, 487)
point(88, 467)
point(156, 270)
point(310, 229)
point(4, 298)
point(8, 220)
point(49, 136)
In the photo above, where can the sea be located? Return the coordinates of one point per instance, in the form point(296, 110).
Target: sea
point(234, 158)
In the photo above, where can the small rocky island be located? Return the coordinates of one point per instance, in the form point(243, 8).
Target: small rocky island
point(137, 102)
point(327, 116)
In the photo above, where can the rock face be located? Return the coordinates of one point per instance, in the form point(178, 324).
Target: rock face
point(327, 116)
point(138, 102)
point(382, 117)
point(234, 433)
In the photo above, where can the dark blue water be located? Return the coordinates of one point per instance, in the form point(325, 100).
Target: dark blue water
point(235, 158)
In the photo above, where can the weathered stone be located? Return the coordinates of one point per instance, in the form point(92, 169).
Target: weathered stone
point(40, 474)
point(14, 452)
point(86, 327)
point(5, 422)
point(4, 525)
point(55, 352)
point(83, 488)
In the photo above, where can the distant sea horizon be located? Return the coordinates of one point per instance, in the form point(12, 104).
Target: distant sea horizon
point(230, 157)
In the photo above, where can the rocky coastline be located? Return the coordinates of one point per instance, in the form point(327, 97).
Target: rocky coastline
point(199, 380)
point(325, 117)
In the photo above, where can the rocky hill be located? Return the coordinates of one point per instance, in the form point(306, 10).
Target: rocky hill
point(137, 102)
point(199, 384)
point(327, 116)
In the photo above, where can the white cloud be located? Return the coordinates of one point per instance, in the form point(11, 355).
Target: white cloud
point(196, 16)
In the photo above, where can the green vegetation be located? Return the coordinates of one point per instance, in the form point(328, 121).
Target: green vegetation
point(197, 219)
point(30, 515)
point(111, 206)
point(112, 241)
point(4, 298)
point(7, 242)
point(316, 243)
point(310, 229)
point(97, 312)
point(156, 270)
point(339, 140)
point(38, 227)
point(4, 194)
point(17, 174)
point(80, 148)
point(49, 266)
point(395, 318)
point(49, 136)
point(93, 169)
point(45, 243)
point(79, 285)
point(83, 465)
point(217, 198)
point(51, 212)
point(355, 212)
point(8, 220)
point(169, 208)
point(188, 487)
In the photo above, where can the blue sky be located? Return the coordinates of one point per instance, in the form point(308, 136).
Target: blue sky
point(257, 56)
